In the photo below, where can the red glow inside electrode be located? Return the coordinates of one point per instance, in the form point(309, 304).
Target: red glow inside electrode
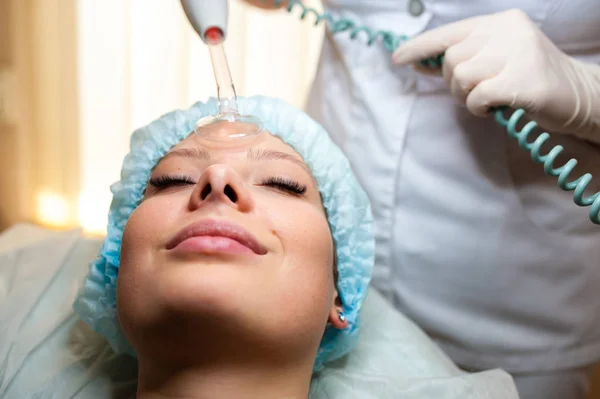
point(213, 35)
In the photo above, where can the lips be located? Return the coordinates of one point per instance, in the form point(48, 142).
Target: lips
point(217, 229)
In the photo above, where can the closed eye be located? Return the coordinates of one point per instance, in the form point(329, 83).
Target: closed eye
point(286, 185)
point(166, 181)
point(279, 183)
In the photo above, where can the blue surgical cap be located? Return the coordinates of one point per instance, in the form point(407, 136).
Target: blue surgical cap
point(346, 204)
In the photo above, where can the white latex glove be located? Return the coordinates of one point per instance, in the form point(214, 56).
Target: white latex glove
point(504, 59)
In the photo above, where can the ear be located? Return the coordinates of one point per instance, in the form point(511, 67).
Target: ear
point(334, 313)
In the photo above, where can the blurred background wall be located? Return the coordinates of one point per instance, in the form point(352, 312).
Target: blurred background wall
point(78, 76)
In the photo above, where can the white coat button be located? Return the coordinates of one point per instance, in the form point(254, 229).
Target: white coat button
point(416, 8)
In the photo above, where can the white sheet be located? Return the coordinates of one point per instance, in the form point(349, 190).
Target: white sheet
point(45, 352)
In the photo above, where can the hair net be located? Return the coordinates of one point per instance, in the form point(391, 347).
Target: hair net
point(347, 207)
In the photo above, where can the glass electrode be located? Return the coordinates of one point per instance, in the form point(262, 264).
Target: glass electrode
point(227, 99)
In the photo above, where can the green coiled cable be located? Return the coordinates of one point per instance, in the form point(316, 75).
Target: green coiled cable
point(390, 41)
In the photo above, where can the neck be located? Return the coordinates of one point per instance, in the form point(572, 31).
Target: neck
point(158, 380)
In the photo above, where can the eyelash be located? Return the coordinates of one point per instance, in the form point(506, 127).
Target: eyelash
point(279, 183)
point(165, 181)
point(288, 185)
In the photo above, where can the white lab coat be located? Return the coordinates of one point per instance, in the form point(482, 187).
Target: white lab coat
point(474, 242)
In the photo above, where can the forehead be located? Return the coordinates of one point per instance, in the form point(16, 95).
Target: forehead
point(235, 146)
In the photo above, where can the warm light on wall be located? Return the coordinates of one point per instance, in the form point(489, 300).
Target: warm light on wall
point(93, 211)
point(52, 209)
point(92, 208)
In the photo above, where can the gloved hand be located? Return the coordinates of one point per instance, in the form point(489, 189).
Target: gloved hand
point(504, 59)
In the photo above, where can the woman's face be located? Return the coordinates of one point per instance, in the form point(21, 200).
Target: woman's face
point(232, 232)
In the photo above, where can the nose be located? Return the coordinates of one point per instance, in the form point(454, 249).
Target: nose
point(221, 184)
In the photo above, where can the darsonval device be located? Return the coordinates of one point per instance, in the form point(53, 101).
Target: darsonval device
point(209, 19)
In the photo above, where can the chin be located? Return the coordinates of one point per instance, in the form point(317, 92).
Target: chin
point(180, 306)
point(203, 289)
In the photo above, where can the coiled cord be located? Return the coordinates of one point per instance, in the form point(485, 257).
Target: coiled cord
point(391, 41)
point(578, 185)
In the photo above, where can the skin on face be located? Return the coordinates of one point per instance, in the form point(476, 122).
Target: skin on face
point(283, 296)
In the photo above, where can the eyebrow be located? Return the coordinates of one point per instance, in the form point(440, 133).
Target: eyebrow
point(252, 155)
point(272, 155)
point(194, 153)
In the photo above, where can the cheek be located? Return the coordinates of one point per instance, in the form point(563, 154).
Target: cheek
point(146, 231)
point(306, 275)
point(149, 225)
point(305, 234)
